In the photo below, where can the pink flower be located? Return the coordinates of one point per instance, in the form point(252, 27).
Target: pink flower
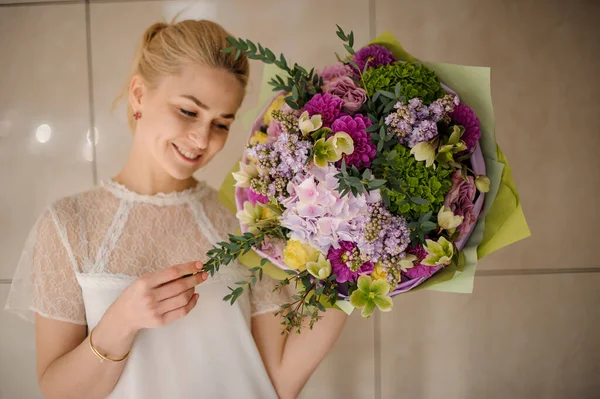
point(346, 264)
point(334, 71)
point(419, 270)
point(255, 197)
point(344, 88)
point(465, 116)
point(274, 131)
point(460, 200)
point(326, 105)
point(364, 149)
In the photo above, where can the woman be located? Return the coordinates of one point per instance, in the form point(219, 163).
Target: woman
point(105, 272)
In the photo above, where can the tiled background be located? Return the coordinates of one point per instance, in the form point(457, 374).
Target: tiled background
point(531, 327)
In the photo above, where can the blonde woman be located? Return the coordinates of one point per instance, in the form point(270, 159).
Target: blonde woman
point(103, 272)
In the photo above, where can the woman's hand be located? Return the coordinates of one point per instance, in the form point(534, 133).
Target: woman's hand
point(159, 298)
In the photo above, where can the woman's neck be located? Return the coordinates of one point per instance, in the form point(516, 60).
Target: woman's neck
point(143, 176)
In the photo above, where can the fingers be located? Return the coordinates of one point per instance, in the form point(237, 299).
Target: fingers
point(176, 287)
point(180, 312)
point(175, 302)
point(173, 273)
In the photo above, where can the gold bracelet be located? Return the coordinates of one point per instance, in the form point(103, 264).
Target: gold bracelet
point(100, 355)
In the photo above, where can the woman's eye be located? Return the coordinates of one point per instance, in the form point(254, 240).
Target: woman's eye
point(222, 127)
point(188, 113)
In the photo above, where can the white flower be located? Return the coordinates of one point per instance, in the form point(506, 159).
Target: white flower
point(246, 173)
point(308, 125)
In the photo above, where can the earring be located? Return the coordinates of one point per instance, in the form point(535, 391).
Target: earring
point(137, 115)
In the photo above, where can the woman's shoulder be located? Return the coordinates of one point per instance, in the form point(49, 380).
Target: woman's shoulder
point(69, 208)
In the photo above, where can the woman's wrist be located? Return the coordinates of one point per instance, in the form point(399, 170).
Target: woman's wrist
point(113, 336)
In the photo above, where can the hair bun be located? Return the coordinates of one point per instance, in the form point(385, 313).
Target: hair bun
point(152, 31)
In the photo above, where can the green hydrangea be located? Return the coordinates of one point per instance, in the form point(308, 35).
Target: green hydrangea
point(426, 183)
point(416, 81)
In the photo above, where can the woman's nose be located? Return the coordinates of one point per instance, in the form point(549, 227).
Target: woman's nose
point(200, 137)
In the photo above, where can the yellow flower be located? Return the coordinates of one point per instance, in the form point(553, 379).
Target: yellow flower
point(379, 273)
point(278, 103)
point(259, 137)
point(296, 255)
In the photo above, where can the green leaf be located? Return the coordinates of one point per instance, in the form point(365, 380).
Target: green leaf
point(428, 226)
point(237, 54)
point(387, 94)
point(242, 44)
point(270, 55)
point(340, 33)
point(398, 89)
point(388, 108)
point(375, 184)
point(251, 45)
point(355, 65)
point(231, 40)
point(351, 39)
point(419, 201)
point(290, 101)
point(228, 50)
point(349, 49)
point(295, 92)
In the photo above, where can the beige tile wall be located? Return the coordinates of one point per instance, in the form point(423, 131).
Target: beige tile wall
point(517, 336)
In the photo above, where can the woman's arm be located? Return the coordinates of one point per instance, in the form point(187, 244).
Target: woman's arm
point(66, 366)
point(291, 359)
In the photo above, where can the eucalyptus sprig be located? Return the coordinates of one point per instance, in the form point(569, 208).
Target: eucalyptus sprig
point(225, 252)
point(348, 40)
point(300, 83)
point(308, 302)
point(382, 104)
point(351, 180)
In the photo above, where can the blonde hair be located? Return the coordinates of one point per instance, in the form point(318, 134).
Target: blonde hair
point(166, 48)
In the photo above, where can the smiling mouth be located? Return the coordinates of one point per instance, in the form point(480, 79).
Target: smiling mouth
point(187, 156)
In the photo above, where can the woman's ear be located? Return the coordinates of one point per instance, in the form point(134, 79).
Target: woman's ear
point(136, 93)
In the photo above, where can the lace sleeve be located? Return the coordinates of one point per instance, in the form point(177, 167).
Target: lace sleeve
point(45, 281)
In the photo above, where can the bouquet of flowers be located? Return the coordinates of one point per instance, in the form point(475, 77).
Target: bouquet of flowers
point(360, 181)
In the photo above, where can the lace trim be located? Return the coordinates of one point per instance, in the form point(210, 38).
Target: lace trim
point(159, 199)
point(114, 233)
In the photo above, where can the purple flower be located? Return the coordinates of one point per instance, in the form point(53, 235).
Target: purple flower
point(376, 55)
point(419, 270)
point(255, 197)
point(465, 116)
point(460, 200)
point(383, 238)
point(344, 88)
point(364, 149)
point(416, 122)
point(326, 105)
point(346, 263)
point(334, 71)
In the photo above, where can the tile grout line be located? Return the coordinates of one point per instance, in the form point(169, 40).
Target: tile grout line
point(62, 2)
point(88, 38)
point(42, 3)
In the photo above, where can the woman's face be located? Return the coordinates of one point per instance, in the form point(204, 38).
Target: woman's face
point(186, 118)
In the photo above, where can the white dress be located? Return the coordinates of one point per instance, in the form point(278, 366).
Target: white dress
point(85, 249)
